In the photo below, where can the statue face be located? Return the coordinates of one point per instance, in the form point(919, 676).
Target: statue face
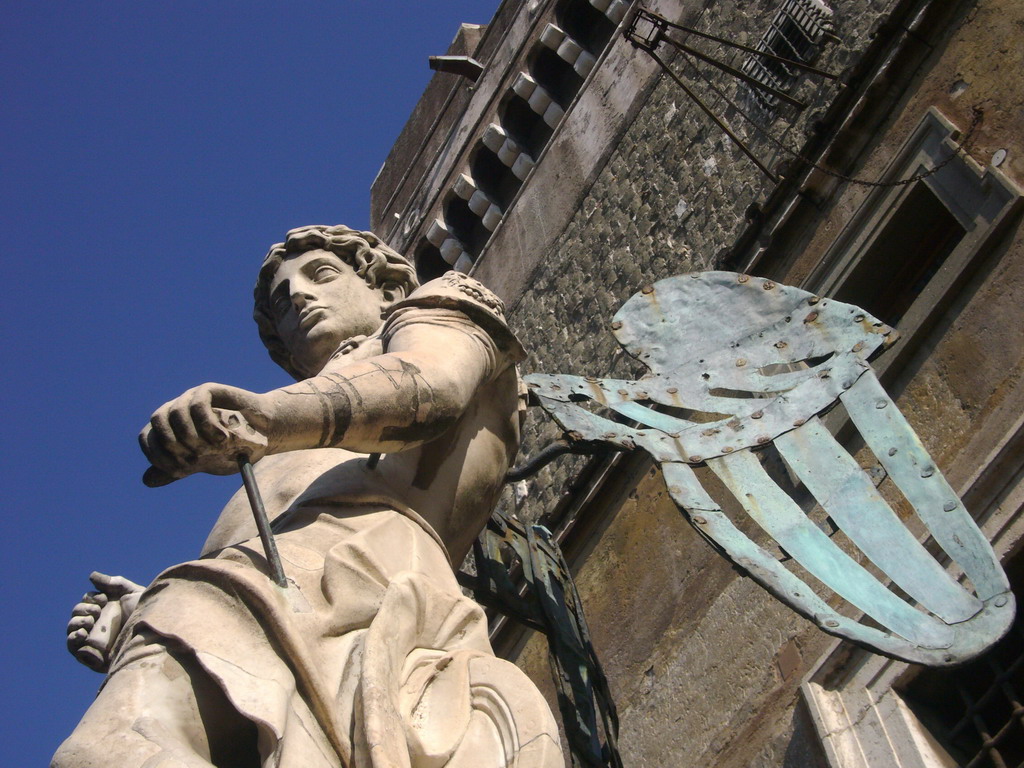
point(318, 301)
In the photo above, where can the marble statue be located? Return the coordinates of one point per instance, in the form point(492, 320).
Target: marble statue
point(371, 655)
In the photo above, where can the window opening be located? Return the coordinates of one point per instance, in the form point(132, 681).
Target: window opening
point(525, 126)
point(796, 32)
point(904, 257)
point(429, 263)
point(910, 249)
point(465, 225)
point(585, 24)
point(494, 178)
point(556, 76)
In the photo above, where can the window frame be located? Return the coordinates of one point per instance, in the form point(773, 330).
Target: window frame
point(982, 199)
point(811, 19)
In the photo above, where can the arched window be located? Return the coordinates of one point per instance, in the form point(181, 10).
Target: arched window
point(494, 178)
point(525, 126)
point(429, 263)
point(557, 76)
point(585, 24)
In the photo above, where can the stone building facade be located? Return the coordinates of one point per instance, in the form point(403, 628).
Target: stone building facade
point(573, 170)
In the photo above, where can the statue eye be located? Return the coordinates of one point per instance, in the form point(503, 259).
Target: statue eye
point(325, 272)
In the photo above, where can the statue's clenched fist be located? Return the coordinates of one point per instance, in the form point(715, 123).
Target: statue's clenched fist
point(204, 430)
point(97, 619)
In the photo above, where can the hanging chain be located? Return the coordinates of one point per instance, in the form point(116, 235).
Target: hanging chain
point(964, 146)
point(650, 42)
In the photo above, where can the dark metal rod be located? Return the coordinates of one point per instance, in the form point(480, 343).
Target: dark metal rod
point(720, 123)
point(262, 521)
point(747, 48)
point(536, 463)
point(552, 451)
point(738, 74)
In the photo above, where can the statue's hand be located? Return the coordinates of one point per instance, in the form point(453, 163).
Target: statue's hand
point(98, 618)
point(204, 430)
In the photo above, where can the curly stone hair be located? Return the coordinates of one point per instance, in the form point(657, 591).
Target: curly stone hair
point(378, 265)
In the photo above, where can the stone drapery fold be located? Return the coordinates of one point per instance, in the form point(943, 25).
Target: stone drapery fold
point(371, 657)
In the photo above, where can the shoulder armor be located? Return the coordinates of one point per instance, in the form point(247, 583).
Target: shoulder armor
point(456, 291)
point(457, 286)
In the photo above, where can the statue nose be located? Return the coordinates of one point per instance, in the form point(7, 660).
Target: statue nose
point(300, 298)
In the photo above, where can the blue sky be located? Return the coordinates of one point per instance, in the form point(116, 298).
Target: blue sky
point(149, 154)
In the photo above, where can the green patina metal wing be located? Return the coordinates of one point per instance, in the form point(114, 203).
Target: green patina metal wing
point(741, 372)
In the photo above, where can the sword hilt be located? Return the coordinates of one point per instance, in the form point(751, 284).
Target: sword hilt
point(235, 423)
point(247, 441)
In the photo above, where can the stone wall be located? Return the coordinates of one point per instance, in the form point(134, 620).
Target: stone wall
point(704, 664)
point(638, 184)
point(689, 646)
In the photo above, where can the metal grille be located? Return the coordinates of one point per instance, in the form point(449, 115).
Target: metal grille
point(977, 710)
point(795, 33)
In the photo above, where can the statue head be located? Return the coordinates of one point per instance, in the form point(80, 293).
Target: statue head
point(386, 273)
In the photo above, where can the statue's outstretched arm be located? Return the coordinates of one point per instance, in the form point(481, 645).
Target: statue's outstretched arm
point(407, 396)
point(388, 403)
